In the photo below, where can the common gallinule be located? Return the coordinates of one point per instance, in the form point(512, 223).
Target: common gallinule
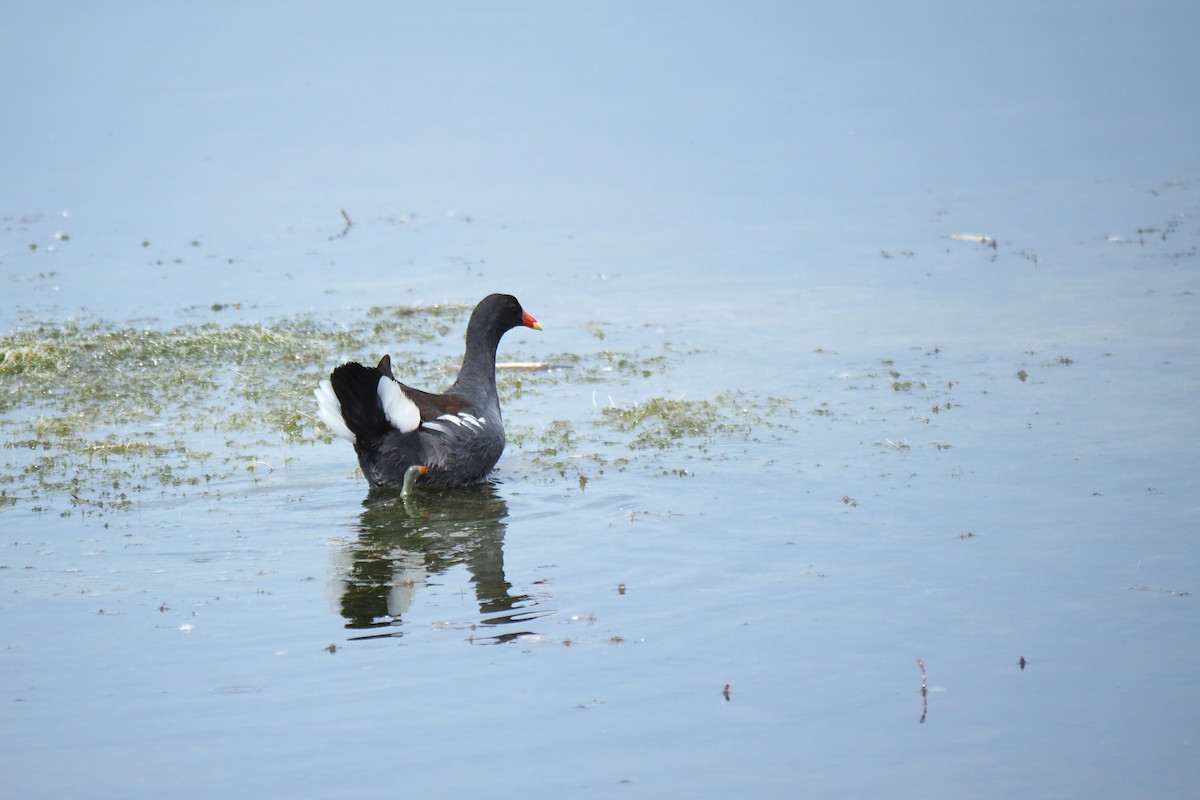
point(401, 433)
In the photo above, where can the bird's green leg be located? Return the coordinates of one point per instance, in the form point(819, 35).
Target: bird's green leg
point(410, 479)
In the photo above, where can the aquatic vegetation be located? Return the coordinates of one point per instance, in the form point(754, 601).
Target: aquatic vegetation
point(101, 413)
point(664, 423)
point(97, 417)
point(661, 422)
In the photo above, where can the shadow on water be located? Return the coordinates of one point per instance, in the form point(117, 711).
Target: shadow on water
point(402, 544)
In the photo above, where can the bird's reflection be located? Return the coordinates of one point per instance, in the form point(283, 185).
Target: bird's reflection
point(403, 544)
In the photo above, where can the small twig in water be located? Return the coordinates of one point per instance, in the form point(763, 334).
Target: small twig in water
point(530, 365)
point(924, 691)
point(345, 230)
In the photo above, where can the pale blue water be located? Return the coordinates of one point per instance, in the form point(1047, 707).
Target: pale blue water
point(761, 195)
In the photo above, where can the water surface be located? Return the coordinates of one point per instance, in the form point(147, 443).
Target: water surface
point(898, 445)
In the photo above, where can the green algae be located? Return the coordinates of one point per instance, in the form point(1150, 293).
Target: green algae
point(96, 417)
point(102, 413)
point(662, 423)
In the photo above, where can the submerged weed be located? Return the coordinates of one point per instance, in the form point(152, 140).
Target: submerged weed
point(95, 417)
point(85, 403)
point(663, 423)
point(19, 359)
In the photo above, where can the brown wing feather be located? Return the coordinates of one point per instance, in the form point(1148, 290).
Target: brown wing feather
point(433, 406)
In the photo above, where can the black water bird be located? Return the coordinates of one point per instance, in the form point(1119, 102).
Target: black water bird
point(401, 434)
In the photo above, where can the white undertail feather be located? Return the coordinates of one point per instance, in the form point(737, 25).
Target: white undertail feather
point(399, 410)
point(330, 410)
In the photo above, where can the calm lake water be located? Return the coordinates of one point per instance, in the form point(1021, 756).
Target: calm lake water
point(937, 539)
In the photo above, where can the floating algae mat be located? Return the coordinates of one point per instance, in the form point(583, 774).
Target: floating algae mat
point(102, 414)
point(95, 417)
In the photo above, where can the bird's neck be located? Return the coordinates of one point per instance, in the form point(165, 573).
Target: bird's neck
point(477, 376)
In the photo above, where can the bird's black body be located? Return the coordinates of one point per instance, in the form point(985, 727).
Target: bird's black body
point(457, 437)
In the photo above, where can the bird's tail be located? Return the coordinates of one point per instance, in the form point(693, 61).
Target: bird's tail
point(365, 403)
point(348, 402)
